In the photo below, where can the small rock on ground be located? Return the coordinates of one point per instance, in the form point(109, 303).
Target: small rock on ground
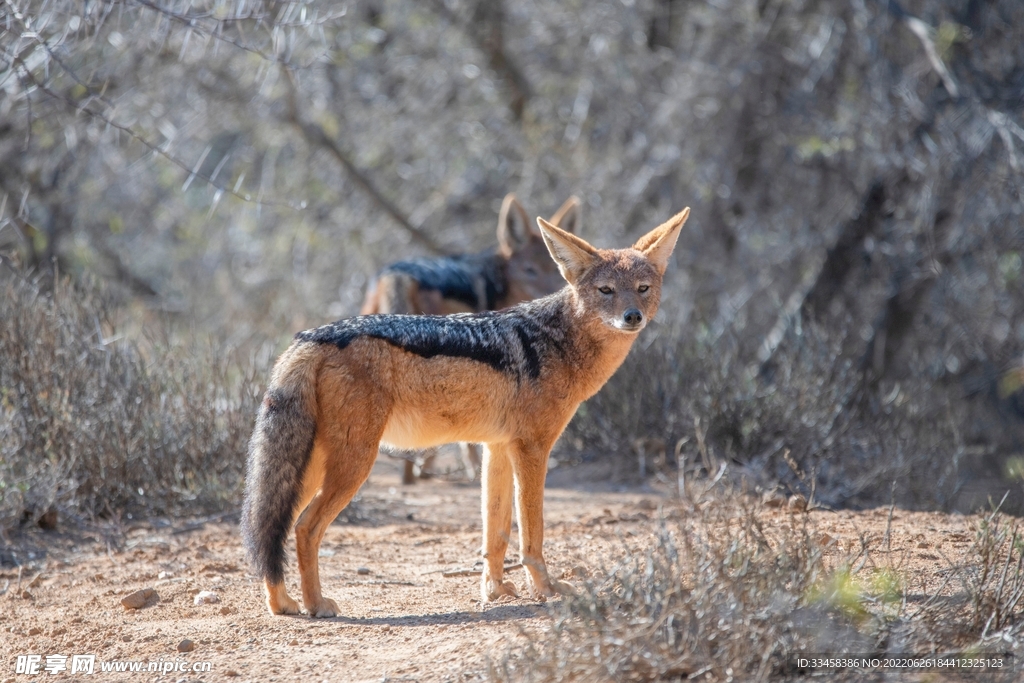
point(206, 598)
point(139, 598)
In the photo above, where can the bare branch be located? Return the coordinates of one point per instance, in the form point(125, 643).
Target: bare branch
point(488, 33)
point(318, 137)
point(85, 108)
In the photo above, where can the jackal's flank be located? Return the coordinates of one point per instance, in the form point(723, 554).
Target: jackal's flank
point(518, 270)
point(510, 379)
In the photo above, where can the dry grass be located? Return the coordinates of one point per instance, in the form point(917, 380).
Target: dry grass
point(715, 595)
point(93, 427)
point(995, 582)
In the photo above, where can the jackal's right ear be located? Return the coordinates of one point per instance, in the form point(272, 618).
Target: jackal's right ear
point(513, 226)
point(572, 254)
point(568, 215)
point(657, 245)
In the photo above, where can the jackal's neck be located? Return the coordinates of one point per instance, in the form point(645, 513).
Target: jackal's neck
point(598, 350)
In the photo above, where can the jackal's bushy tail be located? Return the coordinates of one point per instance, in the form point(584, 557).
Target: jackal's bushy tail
point(278, 455)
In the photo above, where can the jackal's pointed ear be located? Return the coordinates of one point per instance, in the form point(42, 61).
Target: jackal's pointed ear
point(513, 226)
point(572, 254)
point(568, 215)
point(657, 245)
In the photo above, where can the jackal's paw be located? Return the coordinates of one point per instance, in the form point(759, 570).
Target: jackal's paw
point(279, 602)
point(492, 590)
point(552, 589)
point(324, 609)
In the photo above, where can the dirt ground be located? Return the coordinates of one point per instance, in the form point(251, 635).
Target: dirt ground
point(403, 619)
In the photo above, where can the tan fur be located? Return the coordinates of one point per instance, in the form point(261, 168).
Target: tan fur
point(372, 391)
point(529, 274)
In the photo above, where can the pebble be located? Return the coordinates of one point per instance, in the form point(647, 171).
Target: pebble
point(206, 598)
point(186, 646)
point(139, 598)
point(363, 571)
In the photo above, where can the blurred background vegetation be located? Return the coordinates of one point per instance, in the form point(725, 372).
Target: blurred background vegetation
point(184, 184)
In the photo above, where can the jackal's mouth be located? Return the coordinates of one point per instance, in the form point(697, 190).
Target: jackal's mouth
point(623, 326)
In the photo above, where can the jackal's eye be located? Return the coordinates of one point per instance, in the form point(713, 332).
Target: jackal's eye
point(606, 290)
point(643, 288)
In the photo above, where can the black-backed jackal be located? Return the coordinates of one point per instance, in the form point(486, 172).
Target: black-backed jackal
point(518, 270)
point(509, 379)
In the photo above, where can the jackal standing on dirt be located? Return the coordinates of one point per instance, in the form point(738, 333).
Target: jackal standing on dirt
point(509, 379)
point(518, 270)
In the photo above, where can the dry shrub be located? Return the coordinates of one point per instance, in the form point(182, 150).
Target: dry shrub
point(814, 425)
point(712, 594)
point(92, 425)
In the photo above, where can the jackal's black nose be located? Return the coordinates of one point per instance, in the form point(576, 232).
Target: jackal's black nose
point(633, 317)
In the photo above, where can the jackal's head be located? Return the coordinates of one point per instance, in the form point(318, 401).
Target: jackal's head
point(529, 272)
point(620, 287)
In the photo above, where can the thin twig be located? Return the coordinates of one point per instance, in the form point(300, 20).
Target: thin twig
point(380, 582)
point(887, 538)
point(924, 33)
point(473, 572)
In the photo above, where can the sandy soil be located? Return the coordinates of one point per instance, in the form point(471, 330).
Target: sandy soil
point(403, 621)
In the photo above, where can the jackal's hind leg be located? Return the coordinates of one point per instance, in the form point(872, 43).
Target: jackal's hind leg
point(470, 453)
point(425, 462)
point(344, 475)
point(416, 465)
point(278, 599)
point(496, 501)
point(408, 471)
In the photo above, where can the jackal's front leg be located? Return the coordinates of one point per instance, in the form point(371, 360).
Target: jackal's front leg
point(531, 468)
point(496, 501)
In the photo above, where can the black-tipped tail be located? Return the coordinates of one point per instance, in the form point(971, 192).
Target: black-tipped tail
point(278, 454)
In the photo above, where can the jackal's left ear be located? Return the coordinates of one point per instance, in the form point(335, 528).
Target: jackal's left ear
point(568, 215)
point(572, 254)
point(513, 226)
point(657, 245)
